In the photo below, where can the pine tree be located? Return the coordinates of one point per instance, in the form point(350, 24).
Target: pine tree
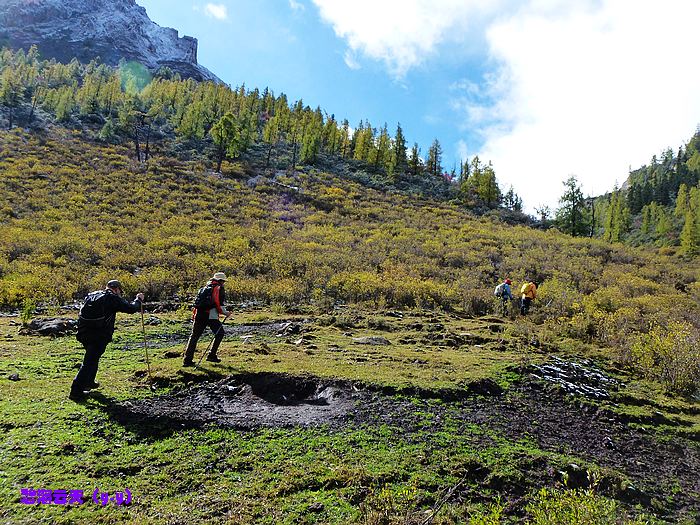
point(226, 134)
point(663, 225)
point(682, 204)
point(690, 236)
point(271, 136)
point(617, 219)
point(488, 189)
point(414, 161)
point(345, 139)
point(572, 214)
point(434, 159)
point(11, 91)
point(382, 150)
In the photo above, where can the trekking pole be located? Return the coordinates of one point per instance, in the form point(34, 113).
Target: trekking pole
point(210, 344)
point(145, 346)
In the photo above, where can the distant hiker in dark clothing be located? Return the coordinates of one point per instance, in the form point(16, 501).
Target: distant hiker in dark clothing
point(529, 292)
point(95, 329)
point(504, 292)
point(208, 306)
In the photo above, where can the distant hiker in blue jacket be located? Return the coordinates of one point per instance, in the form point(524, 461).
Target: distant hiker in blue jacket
point(504, 292)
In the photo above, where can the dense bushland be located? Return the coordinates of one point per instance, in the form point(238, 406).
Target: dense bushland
point(76, 213)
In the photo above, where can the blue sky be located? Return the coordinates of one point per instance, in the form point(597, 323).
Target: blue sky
point(542, 88)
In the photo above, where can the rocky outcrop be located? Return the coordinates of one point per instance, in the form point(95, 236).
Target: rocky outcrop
point(108, 29)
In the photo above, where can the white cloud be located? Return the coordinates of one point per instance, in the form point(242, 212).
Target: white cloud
point(587, 88)
point(587, 92)
point(462, 150)
point(402, 33)
point(296, 6)
point(217, 11)
point(351, 60)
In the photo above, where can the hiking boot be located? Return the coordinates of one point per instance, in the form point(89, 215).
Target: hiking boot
point(77, 395)
point(213, 359)
point(92, 386)
point(188, 363)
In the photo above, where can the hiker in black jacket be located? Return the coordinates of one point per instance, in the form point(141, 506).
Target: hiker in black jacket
point(209, 305)
point(95, 329)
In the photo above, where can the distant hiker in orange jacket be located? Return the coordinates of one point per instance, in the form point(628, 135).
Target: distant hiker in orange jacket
point(208, 306)
point(529, 292)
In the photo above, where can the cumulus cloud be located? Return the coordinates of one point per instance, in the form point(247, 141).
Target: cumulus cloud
point(586, 91)
point(588, 88)
point(217, 11)
point(402, 33)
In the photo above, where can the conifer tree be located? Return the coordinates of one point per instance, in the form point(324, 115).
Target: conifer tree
point(271, 136)
point(663, 225)
point(572, 213)
point(399, 149)
point(434, 159)
point(11, 91)
point(690, 235)
point(345, 139)
point(617, 218)
point(226, 134)
point(414, 161)
point(682, 204)
point(382, 149)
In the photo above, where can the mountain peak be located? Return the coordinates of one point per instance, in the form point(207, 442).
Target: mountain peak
point(108, 29)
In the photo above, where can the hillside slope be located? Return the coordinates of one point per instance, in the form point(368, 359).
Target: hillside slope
point(365, 377)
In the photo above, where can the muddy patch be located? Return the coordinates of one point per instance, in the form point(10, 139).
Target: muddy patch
point(250, 401)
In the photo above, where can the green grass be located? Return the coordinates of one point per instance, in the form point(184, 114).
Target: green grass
point(368, 474)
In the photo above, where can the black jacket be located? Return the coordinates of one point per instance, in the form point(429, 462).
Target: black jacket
point(97, 315)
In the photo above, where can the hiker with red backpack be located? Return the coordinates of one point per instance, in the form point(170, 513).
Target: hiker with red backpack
point(208, 306)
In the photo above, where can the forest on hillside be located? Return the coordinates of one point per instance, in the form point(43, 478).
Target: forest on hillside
point(215, 122)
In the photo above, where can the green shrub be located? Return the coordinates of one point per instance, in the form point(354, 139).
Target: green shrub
point(670, 355)
point(568, 507)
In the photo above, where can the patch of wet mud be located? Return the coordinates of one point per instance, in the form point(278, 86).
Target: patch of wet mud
point(249, 401)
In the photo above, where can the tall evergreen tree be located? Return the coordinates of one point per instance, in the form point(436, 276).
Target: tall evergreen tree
point(690, 235)
point(682, 204)
point(226, 134)
point(434, 159)
point(414, 161)
point(572, 214)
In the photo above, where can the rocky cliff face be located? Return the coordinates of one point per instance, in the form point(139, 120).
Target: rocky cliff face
point(108, 29)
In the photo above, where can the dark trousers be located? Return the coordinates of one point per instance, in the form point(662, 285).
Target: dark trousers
point(88, 370)
point(198, 327)
point(505, 302)
point(525, 305)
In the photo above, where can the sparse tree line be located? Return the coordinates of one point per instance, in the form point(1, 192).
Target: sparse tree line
point(129, 104)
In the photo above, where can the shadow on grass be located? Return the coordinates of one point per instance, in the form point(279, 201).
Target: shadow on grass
point(151, 429)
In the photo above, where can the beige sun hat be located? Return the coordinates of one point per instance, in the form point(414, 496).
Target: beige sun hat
point(219, 276)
